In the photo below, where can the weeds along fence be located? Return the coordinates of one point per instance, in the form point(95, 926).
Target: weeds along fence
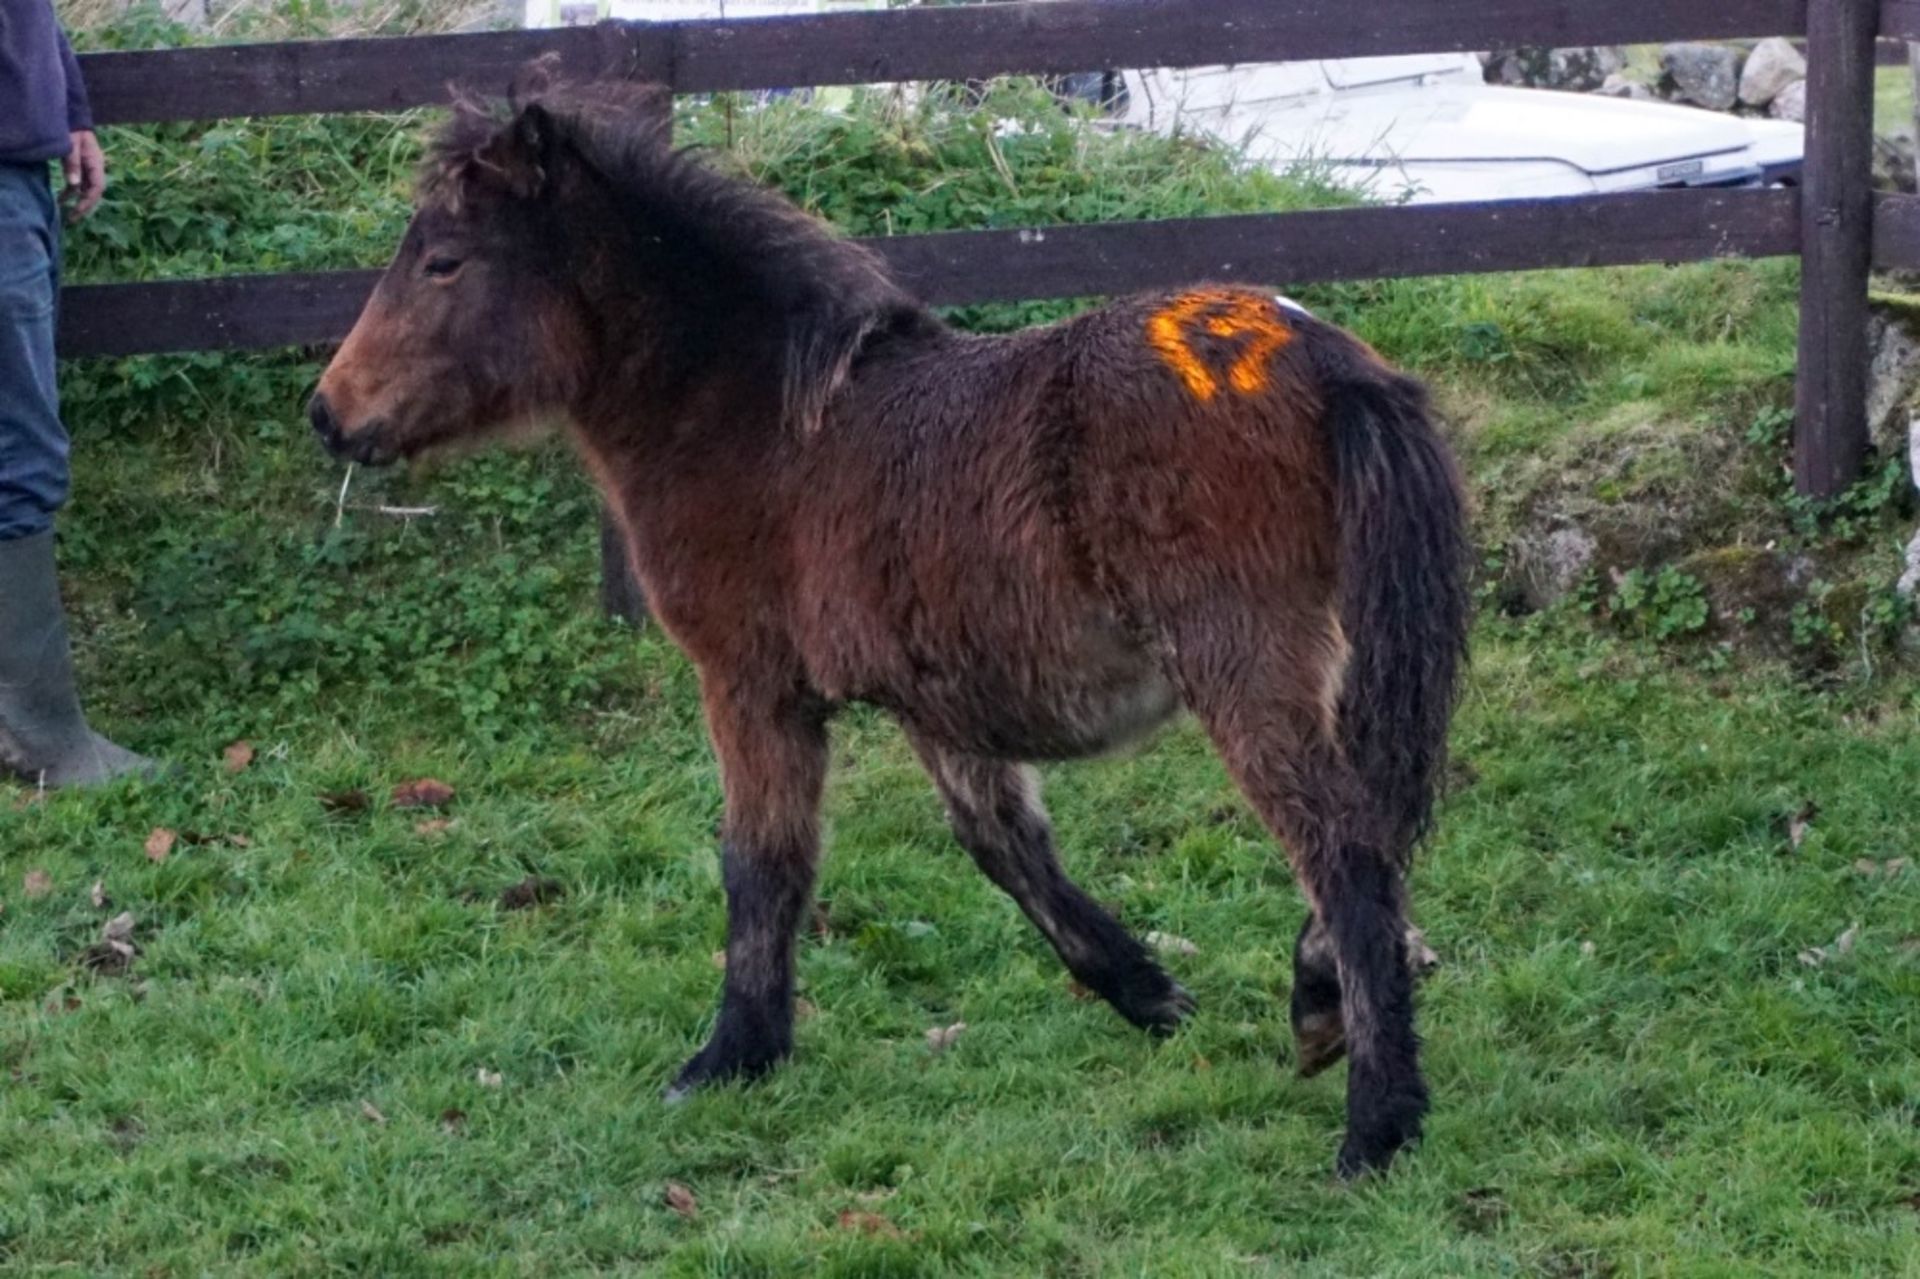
point(1834, 222)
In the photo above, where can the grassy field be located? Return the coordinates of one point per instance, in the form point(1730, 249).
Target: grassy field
point(1676, 1029)
point(1636, 1070)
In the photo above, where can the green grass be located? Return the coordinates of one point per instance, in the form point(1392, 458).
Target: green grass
point(1893, 102)
point(1634, 1072)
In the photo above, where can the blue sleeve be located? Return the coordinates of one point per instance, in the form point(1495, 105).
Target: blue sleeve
point(79, 111)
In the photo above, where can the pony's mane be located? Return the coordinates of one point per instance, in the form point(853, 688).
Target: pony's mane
point(833, 296)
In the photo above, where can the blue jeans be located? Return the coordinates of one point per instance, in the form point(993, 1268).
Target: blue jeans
point(33, 443)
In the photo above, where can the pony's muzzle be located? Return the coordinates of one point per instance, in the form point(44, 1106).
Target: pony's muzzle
point(363, 446)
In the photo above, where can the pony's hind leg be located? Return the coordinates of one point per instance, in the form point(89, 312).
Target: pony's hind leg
point(773, 763)
point(1266, 692)
point(997, 817)
point(1319, 1030)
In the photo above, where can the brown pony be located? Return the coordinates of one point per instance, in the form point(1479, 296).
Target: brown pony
point(1031, 547)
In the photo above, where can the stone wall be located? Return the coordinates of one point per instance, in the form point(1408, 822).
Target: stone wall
point(1767, 79)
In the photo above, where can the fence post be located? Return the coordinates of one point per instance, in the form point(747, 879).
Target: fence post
point(1831, 433)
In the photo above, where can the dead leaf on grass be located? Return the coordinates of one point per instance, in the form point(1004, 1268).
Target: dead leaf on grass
point(424, 793)
point(36, 884)
point(1815, 956)
point(719, 959)
point(342, 802)
point(1171, 944)
point(490, 1078)
point(681, 1200)
point(534, 890)
point(1795, 826)
point(433, 827)
point(372, 1112)
point(98, 895)
point(237, 757)
point(108, 958)
point(160, 844)
point(453, 1121)
point(869, 1223)
point(941, 1038)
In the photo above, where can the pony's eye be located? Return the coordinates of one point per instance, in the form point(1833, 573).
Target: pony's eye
point(441, 268)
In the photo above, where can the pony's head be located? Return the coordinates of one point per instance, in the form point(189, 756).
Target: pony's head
point(564, 260)
point(478, 325)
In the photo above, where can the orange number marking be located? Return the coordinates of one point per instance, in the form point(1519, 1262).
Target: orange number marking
point(1225, 315)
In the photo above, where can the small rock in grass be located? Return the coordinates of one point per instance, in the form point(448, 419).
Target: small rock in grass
point(941, 1038)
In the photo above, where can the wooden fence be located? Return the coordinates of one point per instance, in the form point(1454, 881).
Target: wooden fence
point(1834, 221)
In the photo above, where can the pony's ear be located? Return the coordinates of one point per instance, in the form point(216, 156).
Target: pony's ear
point(517, 158)
point(533, 81)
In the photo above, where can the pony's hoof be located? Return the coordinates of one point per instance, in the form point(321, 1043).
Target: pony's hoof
point(1360, 1158)
point(1153, 1001)
point(1170, 1012)
point(1379, 1128)
point(721, 1061)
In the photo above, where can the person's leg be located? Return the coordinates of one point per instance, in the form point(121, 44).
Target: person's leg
point(33, 443)
point(43, 735)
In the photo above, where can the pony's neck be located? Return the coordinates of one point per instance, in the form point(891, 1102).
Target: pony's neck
point(720, 309)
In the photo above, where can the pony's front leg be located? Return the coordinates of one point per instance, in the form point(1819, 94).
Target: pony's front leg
point(773, 762)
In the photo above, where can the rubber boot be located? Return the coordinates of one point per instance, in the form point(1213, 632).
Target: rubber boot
point(44, 738)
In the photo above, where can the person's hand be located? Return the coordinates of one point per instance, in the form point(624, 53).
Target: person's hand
point(86, 173)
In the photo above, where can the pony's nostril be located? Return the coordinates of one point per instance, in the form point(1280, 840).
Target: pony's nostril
point(324, 423)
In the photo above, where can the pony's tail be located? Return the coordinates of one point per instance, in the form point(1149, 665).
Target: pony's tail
point(1404, 596)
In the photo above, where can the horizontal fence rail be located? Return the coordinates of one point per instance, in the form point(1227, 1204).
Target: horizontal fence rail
point(1896, 233)
point(966, 267)
point(1827, 223)
point(309, 77)
point(1900, 20)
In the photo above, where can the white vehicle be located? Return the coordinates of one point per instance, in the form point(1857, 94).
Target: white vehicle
point(554, 13)
point(1427, 129)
